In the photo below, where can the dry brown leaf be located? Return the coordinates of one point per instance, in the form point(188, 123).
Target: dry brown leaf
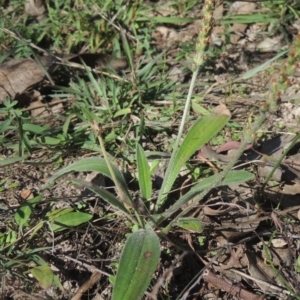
point(221, 109)
point(219, 10)
point(289, 189)
point(240, 8)
point(165, 37)
point(97, 60)
point(36, 8)
point(17, 75)
point(278, 243)
point(87, 285)
point(270, 44)
point(257, 270)
point(26, 194)
point(237, 223)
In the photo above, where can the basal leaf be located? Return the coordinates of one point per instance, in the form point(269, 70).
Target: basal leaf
point(143, 173)
point(203, 130)
point(233, 177)
point(137, 265)
point(96, 164)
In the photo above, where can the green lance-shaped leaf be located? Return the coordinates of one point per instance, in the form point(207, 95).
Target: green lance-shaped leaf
point(137, 265)
point(144, 173)
point(233, 177)
point(203, 130)
point(96, 164)
point(190, 224)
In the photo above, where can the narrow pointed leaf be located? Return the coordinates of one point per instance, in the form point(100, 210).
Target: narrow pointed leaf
point(233, 177)
point(137, 265)
point(144, 173)
point(106, 196)
point(203, 130)
point(92, 164)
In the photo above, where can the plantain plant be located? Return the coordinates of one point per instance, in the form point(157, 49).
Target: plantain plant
point(141, 253)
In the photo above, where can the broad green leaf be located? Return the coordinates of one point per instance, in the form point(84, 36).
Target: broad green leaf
point(145, 182)
point(58, 212)
point(35, 128)
point(137, 265)
point(49, 140)
point(23, 212)
point(191, 224)
point(90, 164)
point(4, 125)
point(71, 219)
point(122, 112)
point(203, 130)
point(44, 276)
point(233, 177)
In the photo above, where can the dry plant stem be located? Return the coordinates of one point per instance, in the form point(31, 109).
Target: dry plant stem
point(233, 289)
point(87, 285)
point(271, 286)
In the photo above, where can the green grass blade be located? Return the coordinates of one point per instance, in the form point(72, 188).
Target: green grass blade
point(252, 18)
point(149, 66)
point(201, 132)
point(144, 173)
point(167, 20)
point(261, 67)
point(127, 50)
point(137, 265)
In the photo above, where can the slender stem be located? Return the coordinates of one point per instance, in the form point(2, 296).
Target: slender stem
point(186, 111)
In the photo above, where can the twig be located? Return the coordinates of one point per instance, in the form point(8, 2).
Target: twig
point(230, 288)
point(89, 267)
